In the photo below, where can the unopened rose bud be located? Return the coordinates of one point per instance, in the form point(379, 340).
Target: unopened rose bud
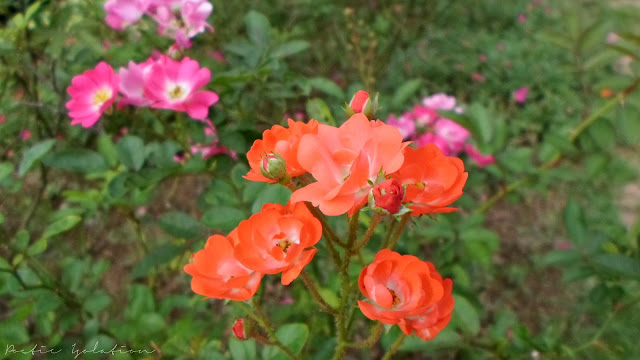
point(388, 195)
point(274, 167)
point(238, 329)
point(363, 103)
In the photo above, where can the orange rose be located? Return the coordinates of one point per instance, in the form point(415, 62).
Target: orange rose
point(407, 291)
point(216, 273)
point(428, 324)
point(345, 161)
point(433, 180)
point(278, 142)
point(278, 239)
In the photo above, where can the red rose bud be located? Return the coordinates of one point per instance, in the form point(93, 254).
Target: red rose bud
point(388, 195)
point(358, 101)
point(274, 167)
point(362, 103)
point(238, 329)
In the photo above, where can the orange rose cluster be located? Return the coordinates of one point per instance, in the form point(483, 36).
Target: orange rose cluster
point(361, 162)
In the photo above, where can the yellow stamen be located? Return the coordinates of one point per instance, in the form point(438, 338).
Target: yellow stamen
point(396, 299)
point(284, 245)
point(102, 96)
point(176, 93)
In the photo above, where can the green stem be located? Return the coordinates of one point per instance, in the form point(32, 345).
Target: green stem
point(394, 347)
point(374, 336)
point(396, 235)
point(375, 220)
point(353, 229)
point(387, 236)
point(606, 323)
point(257, 315)
point(313, 289)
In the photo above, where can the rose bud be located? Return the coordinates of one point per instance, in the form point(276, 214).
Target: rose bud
point(362, 103)
point(238, 329)
point(388, 195)
point(274, 167)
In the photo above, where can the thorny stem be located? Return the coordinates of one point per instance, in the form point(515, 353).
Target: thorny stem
point(394, 347)
point(584, 125)
point(387, 236)
point(375, 220)
point(353, 229)
point(396, 235)
point(376, 332)
point(316, 294)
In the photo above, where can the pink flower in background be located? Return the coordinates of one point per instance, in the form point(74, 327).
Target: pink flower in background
point(3, 118)
point(520, 95)
point(405, 124)
point(482, 58)
point(522, 18)
point(431, 138)
point(91, 94)
point(424, 116)
point(132, 80)
point(25, 134)
point(424, 125)
point(478, 77)
point(181, 19)
point(218, 56)
point(440, 101)
point(480, 159)
point(122, 13)
point(612, 38)
point(175, 85)
point(453, 133)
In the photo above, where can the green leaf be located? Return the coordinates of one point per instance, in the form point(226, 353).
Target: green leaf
point(618, 264)
point(466, 315)
point(141, 301)
point(151, 323)
point(79, 160)
point(292, 336)
point(603, 134)
point(38, 247)
point(159, 255)
point(22, 238)
point(242, 349)
point(275, 193)
point(404, 92)
point(258, 28)
point(318, 109)
point(35, 153)
point(6, 168)
point(107, 148)
point(574, 221)
point(180, 224)
point(480, 244)
point(131, 152)
point(237, 173)
point(517, 160)
point(289, 48)
point(327, 86)
point(224, 218)
point(60, 226)
point(96, 302)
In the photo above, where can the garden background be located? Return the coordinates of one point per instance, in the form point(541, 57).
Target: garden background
point(96, 224)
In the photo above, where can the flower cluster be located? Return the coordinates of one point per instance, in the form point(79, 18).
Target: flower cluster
point(278, 239)
point(424, 125)
point(339, 170)
point(160, 82)
point(178, 19)
point(404, 290)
